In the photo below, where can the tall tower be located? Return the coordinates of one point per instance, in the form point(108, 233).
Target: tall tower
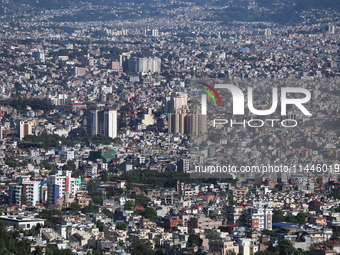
point(110, 123)
point(24, 127)
point(197, 121)
point(102, 122)
point(92, 122)
point(175, 102)
point(178, 121)
point(24, 192)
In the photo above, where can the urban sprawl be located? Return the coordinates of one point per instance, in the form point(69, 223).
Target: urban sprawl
point(102, 134)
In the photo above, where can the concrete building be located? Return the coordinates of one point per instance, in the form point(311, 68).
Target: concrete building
point(87, 61)
point(203, 223)
point(178, 121)
point(38, 55)
point(197, 121)
point(175, 102)
point(113, 65)
point(78, 71)
point(24, 128)
point(247, 246)
point(59, 99)
point(183, 165)
point(59, 186)
point(24, 192)
point(151, 32)
point(102, 122)
point(331, 29)
point(144, 65)
point(223, 247)
point(21, 222)
point(260, 216)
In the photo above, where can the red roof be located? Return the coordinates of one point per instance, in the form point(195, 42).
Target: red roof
point(233, 226)
point(318, 203)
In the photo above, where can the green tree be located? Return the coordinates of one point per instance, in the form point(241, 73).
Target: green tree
point(266, 252)
point(129, 204)
point(285, 247)
point(278, 216)
point(105, 176)
point(121, 225)
point(214, 235)
point(92, 187)
point(142, 247)
point(97, 199)
point(194, 240)
point(270, 233)
point(150, 213)
point(70, 165)
point(38, 250)
point(90, 209)
point(301, 218)
point(94, 252)
point(75, 207)
point(47, 214)
point(141, 200)
point(108, 213)
point(100, 226)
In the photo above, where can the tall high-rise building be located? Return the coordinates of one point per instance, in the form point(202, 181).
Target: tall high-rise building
point(38, 55)
point(144, 65)
point(78, 71)
point(102, 122)
point(24, 128)
point(175, 102)
point(59, 99)
point(87, 61)
point(92, 122)
point(186, 121)
point(260, 216)
point(151, 32)
point(331, 29)
point(1, 132)
point(24, 192)
point(183, 165)
point(109, 123)
point(113, 65)
point(267, 32)
point(123, 60)
point(178, 121)
point(60, 186)
point(197, 121)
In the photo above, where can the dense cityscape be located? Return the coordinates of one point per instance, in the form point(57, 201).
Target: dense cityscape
point(113, 139)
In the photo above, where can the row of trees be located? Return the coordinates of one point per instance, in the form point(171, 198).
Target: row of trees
point(20, 103)
point(300, 218)
point(10, 244)
point(285, 247)
point(78, 136)
point(166, 179)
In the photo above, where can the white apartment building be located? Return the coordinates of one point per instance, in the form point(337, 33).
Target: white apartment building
point(260, 216)
point(61, 185)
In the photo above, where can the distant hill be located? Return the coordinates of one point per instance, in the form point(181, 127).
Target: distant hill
point(44, 4)
point(317, 4)
point(300, 4)
point(278, 11)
